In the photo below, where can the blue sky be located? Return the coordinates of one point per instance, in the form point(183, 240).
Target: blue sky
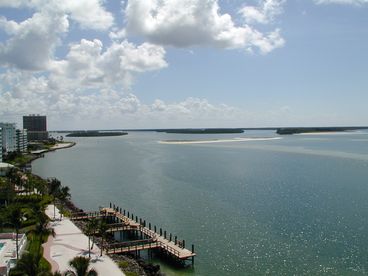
point(187, 63)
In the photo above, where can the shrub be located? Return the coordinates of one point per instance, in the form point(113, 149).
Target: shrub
point(123, 264)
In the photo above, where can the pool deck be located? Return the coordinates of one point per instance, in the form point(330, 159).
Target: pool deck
point(8, 251)
point(69, 242)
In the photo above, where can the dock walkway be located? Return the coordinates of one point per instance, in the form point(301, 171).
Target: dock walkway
point(153, 240)
point(157, 241)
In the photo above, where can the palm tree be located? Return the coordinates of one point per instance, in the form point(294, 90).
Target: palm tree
point(102, 229)
point(15, 218)
point(80, 265)
point(54, 189)
point(90, 231)
point(7, 192)
point(28, 265)
point(63, 195)
point(13, 180)
point(42, 228)
point(13, 175)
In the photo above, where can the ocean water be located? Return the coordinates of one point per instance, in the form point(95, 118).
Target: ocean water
point(293, 206)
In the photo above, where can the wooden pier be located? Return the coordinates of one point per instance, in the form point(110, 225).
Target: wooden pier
point(124, 221)
point(86, 215)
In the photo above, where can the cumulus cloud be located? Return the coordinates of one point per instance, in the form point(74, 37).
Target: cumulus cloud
point(85, 85)
point(32, 41)
point(117, 35)
point(13, 3)
point(185, 23)
point(92, 81)
point(352, 2)
point(9, 26)
point(264, 13)
point(86, 64)
point(90, 14)
point(21, 92)
point(89, 79)
point(190, 107)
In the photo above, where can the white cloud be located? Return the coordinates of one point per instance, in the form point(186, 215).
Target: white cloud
point(13, 3)
point(33, 41)
point(88, 65)
point(85, 87)
point(90, 14)
point(193, 108)
point(117, 35)
point(91, 82)
point(9, 26)
point(185, 23)
point(352, 2)
point(22, 93)
point(264, 13)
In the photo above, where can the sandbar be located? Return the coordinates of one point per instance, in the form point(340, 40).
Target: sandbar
point(184, 142)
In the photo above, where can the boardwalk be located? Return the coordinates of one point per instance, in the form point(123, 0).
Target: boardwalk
point(152, 239)
point(156, 241)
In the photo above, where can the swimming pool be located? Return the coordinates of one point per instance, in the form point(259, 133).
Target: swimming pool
point(1, 245)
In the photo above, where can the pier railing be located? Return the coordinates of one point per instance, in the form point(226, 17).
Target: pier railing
point(122, 247)
point(151, 238)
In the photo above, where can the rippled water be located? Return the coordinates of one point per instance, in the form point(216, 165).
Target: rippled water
point(297, 205)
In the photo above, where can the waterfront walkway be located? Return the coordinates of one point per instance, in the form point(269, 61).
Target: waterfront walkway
point(69, 242)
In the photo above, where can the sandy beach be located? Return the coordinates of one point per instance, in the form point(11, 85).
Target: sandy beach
point(184, 142)
point(62, 145)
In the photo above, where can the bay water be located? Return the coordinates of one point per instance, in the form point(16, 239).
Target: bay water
point(291, 206)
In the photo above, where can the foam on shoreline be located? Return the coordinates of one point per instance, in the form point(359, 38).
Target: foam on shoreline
point(184, 142)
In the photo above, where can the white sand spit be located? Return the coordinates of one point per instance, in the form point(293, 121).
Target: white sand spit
point(184, 142)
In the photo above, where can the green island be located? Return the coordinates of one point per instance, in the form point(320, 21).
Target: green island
point(96, 133)
point(298, 130)
point(202, 130)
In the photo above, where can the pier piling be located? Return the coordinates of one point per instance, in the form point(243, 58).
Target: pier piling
point(144, 238)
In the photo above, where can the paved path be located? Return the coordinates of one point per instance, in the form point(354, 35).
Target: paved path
point(70, 242)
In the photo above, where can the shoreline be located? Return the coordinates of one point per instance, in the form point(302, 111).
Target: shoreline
point(64, 145)
point(58, 146)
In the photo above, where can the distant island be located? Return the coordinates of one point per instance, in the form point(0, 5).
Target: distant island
point(95, 133)
point(202, 130)
point(298, 130)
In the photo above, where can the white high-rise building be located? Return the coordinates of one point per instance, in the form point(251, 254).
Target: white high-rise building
point(1, 145)
point(9, 140)
point(22, 140)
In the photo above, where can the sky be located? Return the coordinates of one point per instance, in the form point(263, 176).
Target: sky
point(94, 64)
